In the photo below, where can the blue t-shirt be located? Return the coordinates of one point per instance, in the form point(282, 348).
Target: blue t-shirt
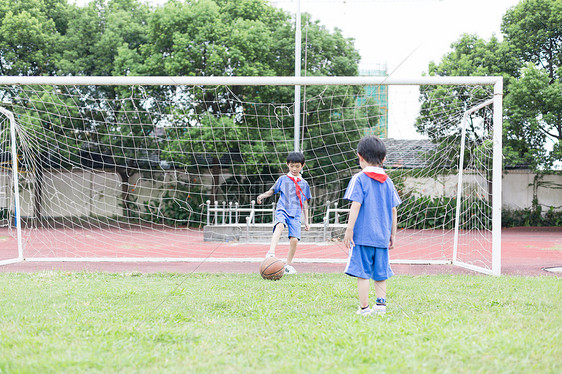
point(374, 222)
point(288, 199)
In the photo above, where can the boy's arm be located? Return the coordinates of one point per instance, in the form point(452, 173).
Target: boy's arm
point(264, 196)
point(353, 213)
point(393, 229)
point(305, 212)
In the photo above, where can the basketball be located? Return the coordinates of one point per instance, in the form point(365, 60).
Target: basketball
point(272, 268)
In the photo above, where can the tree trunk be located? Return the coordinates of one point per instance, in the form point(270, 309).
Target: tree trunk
point(124, 173)
point(215, 172)
point(38, 195)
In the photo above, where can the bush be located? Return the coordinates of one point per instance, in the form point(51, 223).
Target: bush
point(439, 213)
point(531, 217)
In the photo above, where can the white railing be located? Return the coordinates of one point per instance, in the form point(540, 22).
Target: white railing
point(231, 214)
point(336, 212)
point(223, 214)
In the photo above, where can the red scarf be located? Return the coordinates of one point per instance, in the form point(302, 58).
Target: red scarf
point(376, 174)
point(298, 188)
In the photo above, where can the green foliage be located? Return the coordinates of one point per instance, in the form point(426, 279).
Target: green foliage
point(534, 29)
point(4, 214)
point(534, 111)
point(50, 117)
point(439, 213)
point(332, 130)
point(532, 217)
point(442, 106)
point(114, 127)
point(175, 208)
point(104, 38)
point(31, 33)
point(471, 55)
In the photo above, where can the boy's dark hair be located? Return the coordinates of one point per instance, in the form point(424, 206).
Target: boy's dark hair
point(295, 158)
point(372, 149)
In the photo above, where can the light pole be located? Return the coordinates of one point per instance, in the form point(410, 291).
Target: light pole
point(297, 74)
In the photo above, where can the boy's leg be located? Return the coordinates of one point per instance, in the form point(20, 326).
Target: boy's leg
point(382, 271)
point(294, 226)
point(380, 289)
point(380, 293)
point(363, 290)
point(292, 249)
point(275, 239)
point(289, 269)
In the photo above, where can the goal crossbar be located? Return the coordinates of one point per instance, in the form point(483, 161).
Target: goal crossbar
point(255, 81)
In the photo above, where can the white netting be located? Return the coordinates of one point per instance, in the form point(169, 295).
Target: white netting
point(133, 172)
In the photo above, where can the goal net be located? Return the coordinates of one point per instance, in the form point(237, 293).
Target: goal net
point(169, 168)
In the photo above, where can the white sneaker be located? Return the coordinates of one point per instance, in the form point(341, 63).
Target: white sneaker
point(379, 309)
point(290, 270)
point(364, 312)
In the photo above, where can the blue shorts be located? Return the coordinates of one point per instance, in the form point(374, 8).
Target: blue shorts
point(368, 262)
point(293, 223)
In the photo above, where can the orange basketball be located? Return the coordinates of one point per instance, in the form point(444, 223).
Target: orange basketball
point(272, 268)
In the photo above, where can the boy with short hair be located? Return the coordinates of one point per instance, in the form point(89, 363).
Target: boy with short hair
point(371, 226)
point(292, 207)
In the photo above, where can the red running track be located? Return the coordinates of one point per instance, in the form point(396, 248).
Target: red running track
point(525, 252)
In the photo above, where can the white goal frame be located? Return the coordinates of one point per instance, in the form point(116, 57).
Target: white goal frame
point(496, 102)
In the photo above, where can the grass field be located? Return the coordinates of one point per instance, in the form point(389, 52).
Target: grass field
point(141, 323)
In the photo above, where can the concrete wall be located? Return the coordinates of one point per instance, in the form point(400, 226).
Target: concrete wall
point(446, 185)
point(518, 187)
point(67, 194)
point(98, 193)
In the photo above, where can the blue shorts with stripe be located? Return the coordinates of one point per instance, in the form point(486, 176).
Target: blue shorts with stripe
point(368, 262)
point(292, 223)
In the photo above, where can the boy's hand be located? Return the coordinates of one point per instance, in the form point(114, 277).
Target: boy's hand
point(259, 199)
point(348, 239)
point(391, 244)
point(306, 226)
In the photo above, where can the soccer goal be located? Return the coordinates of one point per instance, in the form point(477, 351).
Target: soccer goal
point(168, 168)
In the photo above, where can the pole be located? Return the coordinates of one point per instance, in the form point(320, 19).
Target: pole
point(15, 179)
point(459, 187)
point(297, 75)
point(497, 179)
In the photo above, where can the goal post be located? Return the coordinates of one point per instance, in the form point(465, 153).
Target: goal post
point(10, 127)
point(168, 168)
point(495, 268)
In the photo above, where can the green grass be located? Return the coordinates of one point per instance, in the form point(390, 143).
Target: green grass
point(137, 323)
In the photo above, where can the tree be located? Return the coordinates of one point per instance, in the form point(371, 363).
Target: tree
point(247, 38)
point(104, 39)
point(534, 28)
point(470, 55)
point(534, 112)
point(186, 38)
point(30, 35)
point(532, 119)
point(534, 102)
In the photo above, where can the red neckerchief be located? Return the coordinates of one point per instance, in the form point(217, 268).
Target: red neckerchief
point(298, 188)
point(375, 173)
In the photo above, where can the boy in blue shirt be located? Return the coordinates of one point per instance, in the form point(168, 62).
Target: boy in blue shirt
point(371, 226)
point(292, 207)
